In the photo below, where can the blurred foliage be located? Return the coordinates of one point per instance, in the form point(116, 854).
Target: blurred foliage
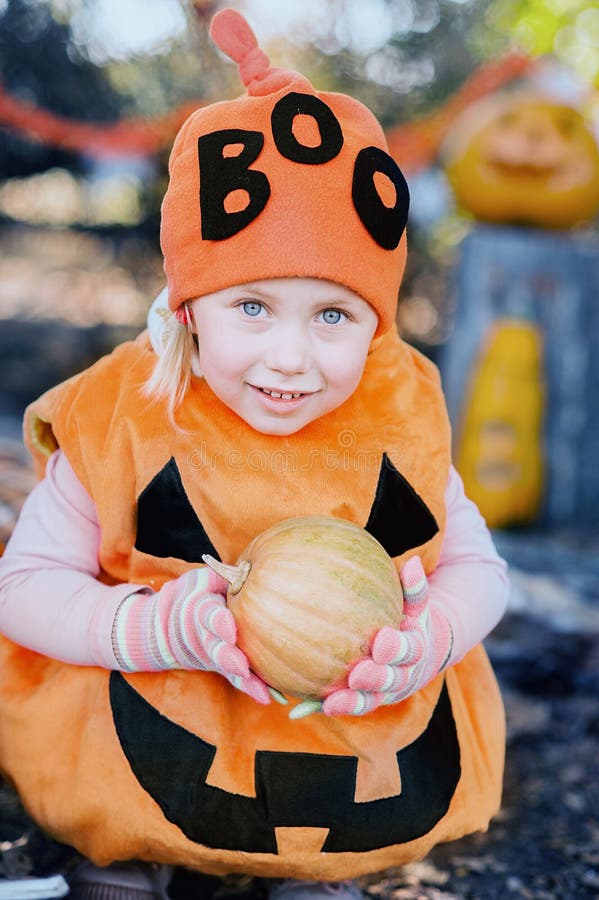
point(39, 63)
point(428, 53)
point(567, 28)
point(402, 58)
point(189, 68)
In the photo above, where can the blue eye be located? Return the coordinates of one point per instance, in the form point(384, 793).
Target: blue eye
point(332, 316)
point(252, 308)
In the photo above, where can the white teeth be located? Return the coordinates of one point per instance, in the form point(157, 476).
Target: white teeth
point(280, 396)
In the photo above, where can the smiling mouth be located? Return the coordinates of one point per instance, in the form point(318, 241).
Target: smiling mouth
point(521, 170)
point(282, 395)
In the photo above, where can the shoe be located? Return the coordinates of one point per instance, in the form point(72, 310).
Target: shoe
point(120, 881)
point(20, 879)
point(315, 890)
point(31, 888)
point(32, 865)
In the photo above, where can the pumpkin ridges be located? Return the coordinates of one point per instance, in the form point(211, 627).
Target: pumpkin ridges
point(318, 589)
point(265, 656)
point(276, 631)
point(298, 683)
point(282, 632)
point(350, 565)
point(317, 602)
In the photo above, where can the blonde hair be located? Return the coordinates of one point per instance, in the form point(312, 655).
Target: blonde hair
point(177, 360)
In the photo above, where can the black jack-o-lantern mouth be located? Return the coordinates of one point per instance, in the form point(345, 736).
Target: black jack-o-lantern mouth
point(292, 789)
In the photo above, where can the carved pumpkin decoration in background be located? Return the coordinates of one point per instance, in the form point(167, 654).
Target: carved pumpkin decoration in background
point(308, 595)
point(524, 159)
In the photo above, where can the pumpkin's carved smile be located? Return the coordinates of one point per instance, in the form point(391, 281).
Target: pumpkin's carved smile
point(520, 170)
point(524, 159)
point(292, 789)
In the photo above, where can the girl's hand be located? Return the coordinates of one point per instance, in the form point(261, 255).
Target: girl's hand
point(401, 661)
point(185, 625)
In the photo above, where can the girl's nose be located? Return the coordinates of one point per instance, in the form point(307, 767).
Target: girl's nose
point(288, 352)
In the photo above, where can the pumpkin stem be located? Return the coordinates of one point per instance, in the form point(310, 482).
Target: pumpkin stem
point(235, 575)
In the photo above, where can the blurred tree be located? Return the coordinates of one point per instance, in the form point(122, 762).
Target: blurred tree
point(40, 63)
point(567, 28)
point(402, 58)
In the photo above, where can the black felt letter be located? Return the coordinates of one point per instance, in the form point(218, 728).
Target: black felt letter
point(331, 136)
point(220, 175)
point(385, 224)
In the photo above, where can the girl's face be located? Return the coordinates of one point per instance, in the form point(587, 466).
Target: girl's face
point(284, 351)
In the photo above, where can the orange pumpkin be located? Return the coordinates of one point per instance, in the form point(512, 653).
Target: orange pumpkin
point(308, 594)
point(524, 159)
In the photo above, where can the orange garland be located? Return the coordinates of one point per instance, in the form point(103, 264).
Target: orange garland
point(413, 145)
point(136, 136)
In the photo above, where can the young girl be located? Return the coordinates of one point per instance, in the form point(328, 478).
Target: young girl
point(274, 385)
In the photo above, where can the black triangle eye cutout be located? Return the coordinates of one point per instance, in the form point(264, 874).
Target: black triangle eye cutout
point(399, 518)
point(166, 522)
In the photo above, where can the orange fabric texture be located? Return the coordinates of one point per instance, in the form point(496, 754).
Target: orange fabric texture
point(309, 167)
point(74, 760)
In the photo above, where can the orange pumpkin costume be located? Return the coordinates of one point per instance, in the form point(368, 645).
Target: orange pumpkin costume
point(179, 767)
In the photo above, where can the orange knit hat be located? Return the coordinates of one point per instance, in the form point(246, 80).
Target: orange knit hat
point(283, 181)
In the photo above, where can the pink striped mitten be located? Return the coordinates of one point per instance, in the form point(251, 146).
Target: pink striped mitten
point(185, 625)
point(402, 660)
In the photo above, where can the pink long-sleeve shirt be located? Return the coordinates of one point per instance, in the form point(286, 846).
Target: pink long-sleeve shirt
point(52, 602)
